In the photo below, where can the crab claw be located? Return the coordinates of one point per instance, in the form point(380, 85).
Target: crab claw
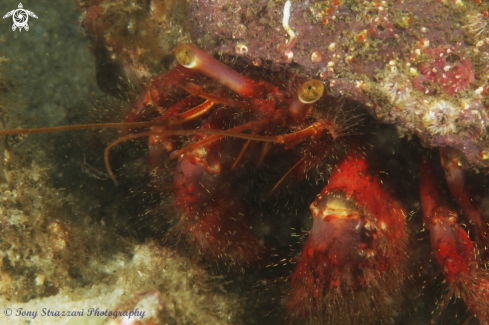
point(355, 256)
point(209, 214)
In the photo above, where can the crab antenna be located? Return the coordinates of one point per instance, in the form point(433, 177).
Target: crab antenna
point(308, 94)
point(129, 125)
point(280, 181)
point(193, 58)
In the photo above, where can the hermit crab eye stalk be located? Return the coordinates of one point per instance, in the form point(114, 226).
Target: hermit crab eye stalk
point(185, 57)
point(310, 91)
point(193, 58)
point(307, 95)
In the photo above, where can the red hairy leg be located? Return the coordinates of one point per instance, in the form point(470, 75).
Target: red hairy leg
point(209, 216)
point(455, 177)
point(208, 213)
point(354, 259)
point(457, 256)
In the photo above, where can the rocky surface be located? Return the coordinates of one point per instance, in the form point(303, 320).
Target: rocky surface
point(419, 65)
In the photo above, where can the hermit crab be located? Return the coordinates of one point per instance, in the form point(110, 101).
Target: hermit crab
point(213, 129)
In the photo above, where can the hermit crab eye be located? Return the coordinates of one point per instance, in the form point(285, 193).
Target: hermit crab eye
point(311, 91)
point(195, 59)
point(185, 56)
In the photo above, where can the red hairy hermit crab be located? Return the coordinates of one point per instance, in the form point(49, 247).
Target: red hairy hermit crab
point(242, 137)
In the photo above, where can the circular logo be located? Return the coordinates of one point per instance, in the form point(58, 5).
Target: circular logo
point(20, 17)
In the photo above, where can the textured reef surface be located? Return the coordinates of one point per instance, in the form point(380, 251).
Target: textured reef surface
point(421, 65)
